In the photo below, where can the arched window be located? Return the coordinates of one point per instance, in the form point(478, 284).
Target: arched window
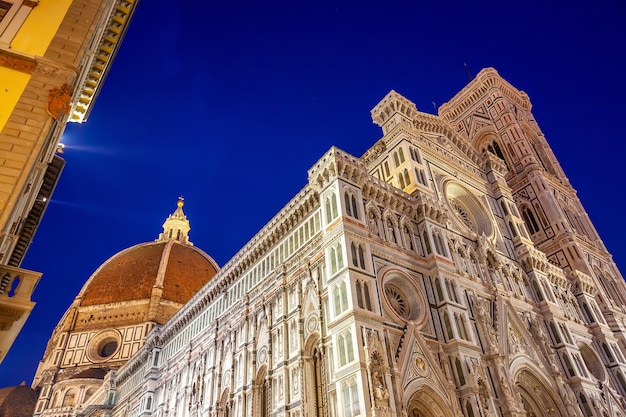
point(350, 394)
point(460, 324)
point(584, 404)
point(355, 212)
point(568, 365)
point(361, 257)
point(438, 288)
point(504, 209)
point(355, 261)
point(366, 296)
point(336, 258)
point(555, 333)
point(494, 148)
point(588, 313)
point(427, 243)
point(446, 321)
point(529, 219)
point(401, 181)
point(331, 208)
point(70, 398)
point(345, 347)
point(337, 300)
point(513, 230)
point(537, 289)
point(439, 245)
point(344, 296)
point(608, 352)
point(350, 204)
point(401, 155)
point(459, 372)
point(363, 295)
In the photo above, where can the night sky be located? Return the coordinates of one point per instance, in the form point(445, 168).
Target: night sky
point(228, 104)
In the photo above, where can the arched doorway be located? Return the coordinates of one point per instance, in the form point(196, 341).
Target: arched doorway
point(313, 377)
point(425, 402)
point(538, 398)
point(261, 394)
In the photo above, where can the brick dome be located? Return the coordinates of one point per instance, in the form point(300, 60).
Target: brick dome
point(146, 283)
point(180, 270)
point(18, 401)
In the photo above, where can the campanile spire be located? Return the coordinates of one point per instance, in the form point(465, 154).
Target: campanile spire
point(176, 226)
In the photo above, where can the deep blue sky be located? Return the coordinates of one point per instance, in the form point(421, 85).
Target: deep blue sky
point(229, 103)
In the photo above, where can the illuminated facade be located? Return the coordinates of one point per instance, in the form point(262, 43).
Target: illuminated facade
point(54, 56)
point(449, 271)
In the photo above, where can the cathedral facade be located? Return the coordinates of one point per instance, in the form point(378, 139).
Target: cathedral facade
point(449, 271)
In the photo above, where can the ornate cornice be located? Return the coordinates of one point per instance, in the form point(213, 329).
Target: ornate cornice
point(53, 69)
point(475, 91)
point(17, 62)
point(98, 59)
point(337, 164)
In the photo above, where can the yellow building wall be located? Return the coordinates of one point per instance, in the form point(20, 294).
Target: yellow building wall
point(40, 27)
point(12, 85)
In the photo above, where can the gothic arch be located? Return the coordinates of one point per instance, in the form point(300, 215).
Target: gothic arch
point(261, 393)
point(313, 372)
point(223, 406)
point(484, 136)
point(421, 400)
point(537, 395)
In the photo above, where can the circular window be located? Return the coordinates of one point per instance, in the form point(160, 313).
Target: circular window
point(397, 301)
point(467, 210)
point(107, 348)
point(103, 346)
point(403, 298)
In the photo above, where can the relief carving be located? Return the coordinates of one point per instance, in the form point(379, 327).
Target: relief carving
point(59, 101)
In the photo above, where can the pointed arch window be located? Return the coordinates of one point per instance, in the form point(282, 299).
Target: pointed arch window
point(340, 298)
point(331, 208)
point(415, 155)
point(345, 347)
point(419, 175)
point(459, 372)
point(357, 255)
point(529, 219)
point(350, 395)
point(351, 206)
point(555, 333)
point(336, 258)
point(427, 243)
point(494, 148)
point(448, 325)
point(363, 295)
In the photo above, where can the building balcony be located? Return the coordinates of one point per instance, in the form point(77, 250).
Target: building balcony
point(16, 288)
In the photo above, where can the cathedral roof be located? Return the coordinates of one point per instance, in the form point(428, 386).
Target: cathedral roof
point(149, 281)
point(18, 401)
point(180, 270)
